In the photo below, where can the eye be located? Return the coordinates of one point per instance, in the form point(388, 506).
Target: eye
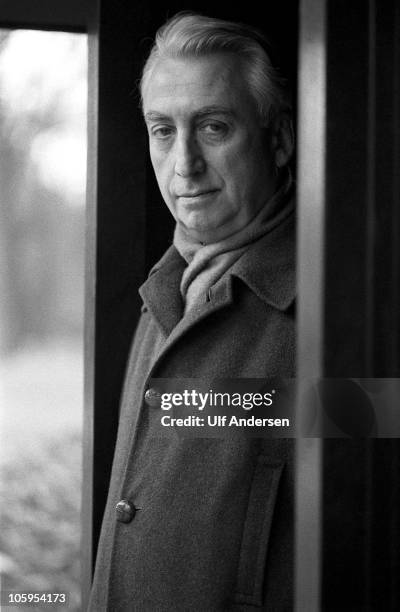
point(161, 132)
point(215, 129)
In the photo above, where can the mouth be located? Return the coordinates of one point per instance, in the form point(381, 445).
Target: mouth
point(197, 200)
point(196, 194)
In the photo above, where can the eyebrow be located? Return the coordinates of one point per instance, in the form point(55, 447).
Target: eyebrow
point(202, 112)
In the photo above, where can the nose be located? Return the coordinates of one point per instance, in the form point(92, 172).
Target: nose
point(189, 159)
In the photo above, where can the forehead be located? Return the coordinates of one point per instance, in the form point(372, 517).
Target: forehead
point(187, 85)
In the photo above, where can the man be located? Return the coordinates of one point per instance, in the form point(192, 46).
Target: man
point(206, 524)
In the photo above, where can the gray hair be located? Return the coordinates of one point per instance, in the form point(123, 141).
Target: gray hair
point(189, 34)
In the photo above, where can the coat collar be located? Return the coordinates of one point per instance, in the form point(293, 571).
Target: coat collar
point(267, 268)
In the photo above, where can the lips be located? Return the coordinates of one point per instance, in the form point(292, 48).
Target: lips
point(196, 194)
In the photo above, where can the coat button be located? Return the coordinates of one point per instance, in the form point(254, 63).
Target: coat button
point(152, 398)
point(125, 511)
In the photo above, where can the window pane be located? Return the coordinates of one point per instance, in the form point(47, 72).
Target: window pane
point(43, 90)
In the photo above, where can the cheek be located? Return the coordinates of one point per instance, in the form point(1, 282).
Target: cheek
point(235, 170)
point(251, 165)
point(160, 168)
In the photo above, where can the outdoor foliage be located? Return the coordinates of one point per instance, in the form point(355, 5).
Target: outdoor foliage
point(40, 539)
point(43, 90)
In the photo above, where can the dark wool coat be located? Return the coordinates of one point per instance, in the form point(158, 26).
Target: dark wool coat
point(214, 525)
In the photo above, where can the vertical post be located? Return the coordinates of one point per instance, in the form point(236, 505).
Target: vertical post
point(348, 490)
point(90, 311)
point(311, 223)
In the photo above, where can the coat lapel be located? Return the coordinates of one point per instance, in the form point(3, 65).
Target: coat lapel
point(160, 292)
point(267, 268)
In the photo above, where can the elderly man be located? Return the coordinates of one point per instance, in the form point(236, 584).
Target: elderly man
point(206, 524)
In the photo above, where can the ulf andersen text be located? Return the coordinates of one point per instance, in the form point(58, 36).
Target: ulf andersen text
point(222, 421)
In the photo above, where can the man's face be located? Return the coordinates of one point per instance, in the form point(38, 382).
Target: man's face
point(210, 153)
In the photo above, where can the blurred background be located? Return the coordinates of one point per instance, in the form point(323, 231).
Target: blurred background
point(43, 98)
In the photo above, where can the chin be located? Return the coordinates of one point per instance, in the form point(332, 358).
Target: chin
point(197, 225)
point(201, 234)
point(205, 229)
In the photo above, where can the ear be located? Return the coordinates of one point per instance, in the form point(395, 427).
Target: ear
point(283, 140)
